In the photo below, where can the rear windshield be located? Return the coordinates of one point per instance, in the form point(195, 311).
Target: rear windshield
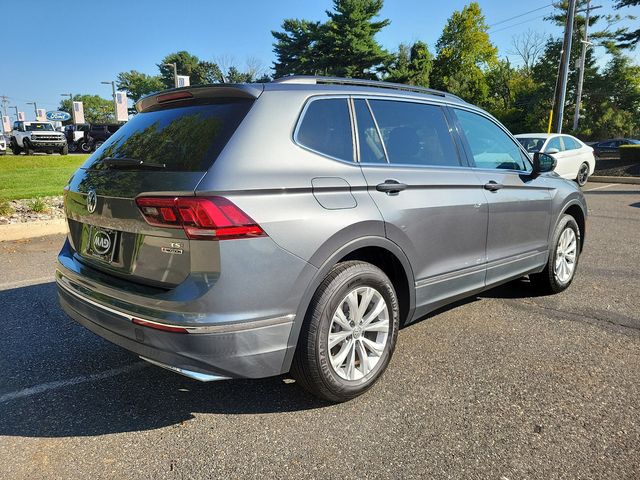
point(186, 138)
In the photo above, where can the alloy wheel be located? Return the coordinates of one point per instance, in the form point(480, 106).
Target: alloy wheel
point(358, 333)
point(566, 255)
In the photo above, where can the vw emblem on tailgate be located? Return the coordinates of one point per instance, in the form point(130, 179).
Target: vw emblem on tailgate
point(101, 243)
point(92, 201)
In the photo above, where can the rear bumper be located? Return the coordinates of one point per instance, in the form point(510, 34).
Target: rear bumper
point(243, 350)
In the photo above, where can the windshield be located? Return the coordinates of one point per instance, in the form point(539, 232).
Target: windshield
point(187, 138)
point(38, 127)
point(532, 144)
point(634, 142)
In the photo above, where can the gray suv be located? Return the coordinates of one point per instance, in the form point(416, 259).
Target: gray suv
point(245, 231)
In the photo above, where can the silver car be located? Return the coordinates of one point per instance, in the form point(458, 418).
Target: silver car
point(245, 231)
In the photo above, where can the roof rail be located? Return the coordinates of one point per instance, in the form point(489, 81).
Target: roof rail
point(356, 82)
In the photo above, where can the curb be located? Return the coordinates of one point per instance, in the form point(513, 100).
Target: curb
point(19, 231)
point(602, 179)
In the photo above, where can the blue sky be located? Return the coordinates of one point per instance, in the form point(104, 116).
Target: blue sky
point(73, 45)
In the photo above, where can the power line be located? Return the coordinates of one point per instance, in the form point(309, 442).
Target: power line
point(520, 15)
point(519, 23)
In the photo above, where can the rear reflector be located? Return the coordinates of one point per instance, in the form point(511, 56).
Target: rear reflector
point(210, 218)
point(159, 326)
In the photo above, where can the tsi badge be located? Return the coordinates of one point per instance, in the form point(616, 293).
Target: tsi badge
point(92, 201)
point(175, 249)
point(101, 243)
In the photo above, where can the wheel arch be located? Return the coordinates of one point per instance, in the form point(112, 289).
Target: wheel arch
point(575, 210)
point(376, 250)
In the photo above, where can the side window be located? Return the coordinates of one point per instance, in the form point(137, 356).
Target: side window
point(570, 143)
point(371, 150)
point(326, 128)
point(555, 143)
point(415, 133)
point(490, 146)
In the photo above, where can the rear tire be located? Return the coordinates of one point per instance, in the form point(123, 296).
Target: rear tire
point(15, 149)
point(363, 337)
point(583, 174)
point(563, 258)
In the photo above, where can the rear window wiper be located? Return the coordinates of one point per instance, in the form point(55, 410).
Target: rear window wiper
point(127, 162)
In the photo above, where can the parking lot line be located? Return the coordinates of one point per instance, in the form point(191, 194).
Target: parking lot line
point(599, 188)
point(43, 387)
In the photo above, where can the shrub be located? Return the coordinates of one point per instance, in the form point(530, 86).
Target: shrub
point(38, 205)
point(5, 208)
point(630, 153)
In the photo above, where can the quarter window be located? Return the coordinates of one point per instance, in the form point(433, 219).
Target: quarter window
point(490, 146)
point(326, 128)
point(415, 133)
point(570, 143)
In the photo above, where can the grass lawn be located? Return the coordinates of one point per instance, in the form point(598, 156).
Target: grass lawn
point(24, 176)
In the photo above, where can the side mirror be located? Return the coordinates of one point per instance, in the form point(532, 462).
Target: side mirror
point(551, 151)
point(543, 162)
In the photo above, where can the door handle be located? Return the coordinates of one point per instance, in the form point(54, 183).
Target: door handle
point(391, 186)
point(493, 186)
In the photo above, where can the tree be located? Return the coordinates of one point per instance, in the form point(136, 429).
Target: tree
point(96, 108)
point(138, 84)
point(410, 65)
point(295, 48)
point(464, 54)
point(628, 39)
point(199, 72)
point(528, 46)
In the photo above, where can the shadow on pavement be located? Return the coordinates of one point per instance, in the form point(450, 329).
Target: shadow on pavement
point(41, 345)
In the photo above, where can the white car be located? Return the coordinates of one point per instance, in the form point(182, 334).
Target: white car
point(576, 160)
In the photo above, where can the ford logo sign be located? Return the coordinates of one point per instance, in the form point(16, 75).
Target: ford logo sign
point(57, 116)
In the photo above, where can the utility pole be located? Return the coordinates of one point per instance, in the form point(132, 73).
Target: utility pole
point(561, 82)
point(5, 101)
point(583, 58)
point(35, 108)
point(16, 112)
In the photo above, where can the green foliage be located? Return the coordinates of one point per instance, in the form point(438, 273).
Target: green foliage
point(96, 108)
point(200, 72)
point(464, 54)
point(628, 39)
point(410, 65)
point(6, 208)
point(138, 84)
point(38, 205)
point(343, 46)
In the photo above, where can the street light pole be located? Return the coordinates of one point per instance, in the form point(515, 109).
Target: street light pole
point(115, 103)
point(73, 112)
point(35, 108)
point(175, 72)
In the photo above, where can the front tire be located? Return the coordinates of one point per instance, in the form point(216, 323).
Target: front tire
point(583, 174)
point(349, 332)
point(27, 147)
point(563, 258)
point(64, 150)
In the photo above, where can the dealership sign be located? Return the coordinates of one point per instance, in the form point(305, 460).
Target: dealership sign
point(58, 116)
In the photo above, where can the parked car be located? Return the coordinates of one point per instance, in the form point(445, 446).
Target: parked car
point(611, 148)
point(3, 145)
point(255, 229)
point(75, 135)
point(30, 137)
point(96, 135)
point(575, 159)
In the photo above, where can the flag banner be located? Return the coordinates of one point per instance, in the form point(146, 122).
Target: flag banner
point(41, 115)
point(182, 81)
point(6, 124)
point(122, 114)
point(78, 113)
point(21, 117)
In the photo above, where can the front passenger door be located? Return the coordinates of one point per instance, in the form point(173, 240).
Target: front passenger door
point(519, 205)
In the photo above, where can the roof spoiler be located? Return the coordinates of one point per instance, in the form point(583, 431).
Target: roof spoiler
point(221, 90)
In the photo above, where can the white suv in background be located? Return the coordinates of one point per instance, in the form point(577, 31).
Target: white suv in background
point(575, 159)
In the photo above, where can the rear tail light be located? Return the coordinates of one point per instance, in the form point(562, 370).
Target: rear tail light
point(209, 218)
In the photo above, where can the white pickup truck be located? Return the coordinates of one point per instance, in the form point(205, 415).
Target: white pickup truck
point(29, 137)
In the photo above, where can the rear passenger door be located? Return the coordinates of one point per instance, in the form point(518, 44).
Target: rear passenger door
point(431, 201)
point(519, 204)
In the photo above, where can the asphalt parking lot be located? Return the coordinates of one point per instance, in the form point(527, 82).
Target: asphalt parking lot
point(504, 385)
